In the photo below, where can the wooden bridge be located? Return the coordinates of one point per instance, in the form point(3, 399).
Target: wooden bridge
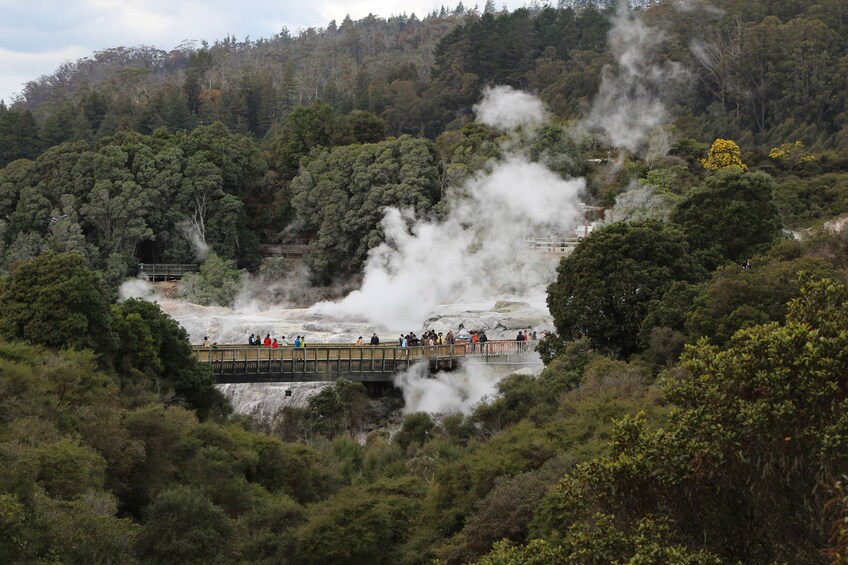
point(366, 363)
point(165, 271)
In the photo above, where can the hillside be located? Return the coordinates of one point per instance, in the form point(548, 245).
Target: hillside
point(693, 407)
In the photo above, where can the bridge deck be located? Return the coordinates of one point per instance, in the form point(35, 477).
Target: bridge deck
point(328, 362)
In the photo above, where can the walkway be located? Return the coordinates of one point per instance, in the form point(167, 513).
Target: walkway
point(329, 362)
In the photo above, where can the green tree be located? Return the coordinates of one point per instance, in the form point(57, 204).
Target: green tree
point(731, 218)
point(154, 350)
point(604, 287)
point(218, 282)
point(183, 526)
point(342, 193)
point(757, 424)
point(56, 300)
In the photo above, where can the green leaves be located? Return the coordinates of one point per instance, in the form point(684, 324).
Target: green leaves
point(341, 195)
point(604, 287)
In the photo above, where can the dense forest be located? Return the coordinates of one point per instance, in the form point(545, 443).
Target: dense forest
point(693, 408)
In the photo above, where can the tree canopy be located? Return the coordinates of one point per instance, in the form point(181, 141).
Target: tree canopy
point(604, 287)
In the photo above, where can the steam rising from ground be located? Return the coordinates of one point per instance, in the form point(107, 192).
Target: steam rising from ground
point(629, 103)
point(505, 108)
point(444, 393)
point(477, 251)
point(192, 234)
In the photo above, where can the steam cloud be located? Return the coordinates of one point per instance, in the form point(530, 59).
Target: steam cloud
point(193, 236)
point(445, 393)
point(505, 108)
point(629, 103)
point(476, 253)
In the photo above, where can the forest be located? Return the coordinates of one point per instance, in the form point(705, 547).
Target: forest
point(693, 407)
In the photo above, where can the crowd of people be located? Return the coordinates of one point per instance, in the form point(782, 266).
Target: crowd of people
point(268, 341)
point(430, 337)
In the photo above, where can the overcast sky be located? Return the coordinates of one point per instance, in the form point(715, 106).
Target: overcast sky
point(36, 36)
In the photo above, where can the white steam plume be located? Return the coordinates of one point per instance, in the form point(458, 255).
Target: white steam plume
point(476, 253)
point(629, 103)
point(505, 108)
point(444, 393)
point(137, 288)
point(195, 239)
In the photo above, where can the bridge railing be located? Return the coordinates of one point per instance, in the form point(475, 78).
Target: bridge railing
point(323, 351)
point(165, 271)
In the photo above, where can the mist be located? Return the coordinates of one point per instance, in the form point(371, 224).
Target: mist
point(477, 252)
point(444, 393)
point(629, 104)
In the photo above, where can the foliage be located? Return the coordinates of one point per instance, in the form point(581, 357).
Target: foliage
point(335, 408)
point(56, 300)
point(758, 424)
point(791, 155)
point(731, 218)
point(604, 287)
point(217, 283)
point(806, 200)
point(724, 154)
point(183, 526)
point(341, 196)
point(359, 525)
point(415, 431)
point(736, 297)
point(153, 350)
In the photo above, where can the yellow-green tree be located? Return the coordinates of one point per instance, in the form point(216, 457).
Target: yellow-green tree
point(724, 154)
point(791, 155)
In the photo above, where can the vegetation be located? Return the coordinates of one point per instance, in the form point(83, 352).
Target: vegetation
point(696, 385)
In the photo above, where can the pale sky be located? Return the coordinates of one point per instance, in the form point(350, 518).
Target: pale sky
point(36, 36)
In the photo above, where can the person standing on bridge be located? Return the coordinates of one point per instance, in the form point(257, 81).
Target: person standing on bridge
point(374, 339)
point(251, 340)
point(297, 342)
point(358, 342)
point(483, 340)
point(274, 344)
point(267, 341)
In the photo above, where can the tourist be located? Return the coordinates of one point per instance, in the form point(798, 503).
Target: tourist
point(206, 341)
point(449, 337)
point(520, 336)
point(251, 340)
point(358, 342)
point(475, 339)
point(274, 344)
point(374, 339)
point(303, 342)
point(267, 341)
point(258, 340)
point(297, 342)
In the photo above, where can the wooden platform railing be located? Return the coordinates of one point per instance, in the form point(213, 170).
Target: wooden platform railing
point(324, 361)
point(165, 271)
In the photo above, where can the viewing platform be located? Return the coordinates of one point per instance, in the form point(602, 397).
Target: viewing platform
point(165, 271)
point(365, 363)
